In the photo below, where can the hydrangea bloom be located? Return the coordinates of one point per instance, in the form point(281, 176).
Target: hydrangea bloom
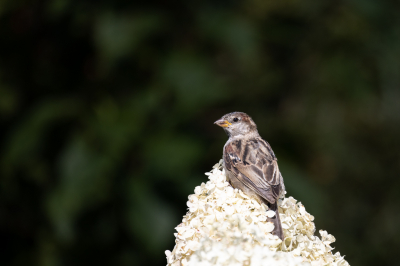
point(225, 227)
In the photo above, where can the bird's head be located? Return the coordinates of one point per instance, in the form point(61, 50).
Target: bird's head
point(236, 124)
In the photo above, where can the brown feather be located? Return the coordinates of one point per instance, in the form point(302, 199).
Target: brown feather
point(258, 167)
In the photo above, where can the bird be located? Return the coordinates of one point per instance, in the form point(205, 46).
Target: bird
point(251, 165)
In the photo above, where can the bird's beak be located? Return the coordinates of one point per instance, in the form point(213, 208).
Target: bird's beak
point(222, 123)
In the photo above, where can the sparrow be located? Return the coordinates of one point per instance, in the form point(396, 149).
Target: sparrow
point(251, 165)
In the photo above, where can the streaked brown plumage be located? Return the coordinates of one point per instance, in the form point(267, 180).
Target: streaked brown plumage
point(251, 164)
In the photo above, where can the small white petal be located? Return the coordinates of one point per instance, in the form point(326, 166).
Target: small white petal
point(270, 214)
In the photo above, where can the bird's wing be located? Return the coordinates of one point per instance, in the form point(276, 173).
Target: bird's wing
point(254, 163)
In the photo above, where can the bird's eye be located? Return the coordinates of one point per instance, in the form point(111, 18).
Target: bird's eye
point(235, 119)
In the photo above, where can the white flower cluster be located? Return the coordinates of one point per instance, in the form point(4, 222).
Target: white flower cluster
point(235, 242)
point(225, 227)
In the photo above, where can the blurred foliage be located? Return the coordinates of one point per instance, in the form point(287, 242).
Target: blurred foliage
point(107, 111)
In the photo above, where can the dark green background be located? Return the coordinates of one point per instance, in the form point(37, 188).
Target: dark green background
point(107, 111)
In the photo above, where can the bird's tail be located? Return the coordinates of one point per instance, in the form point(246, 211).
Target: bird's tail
point(278, 231)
